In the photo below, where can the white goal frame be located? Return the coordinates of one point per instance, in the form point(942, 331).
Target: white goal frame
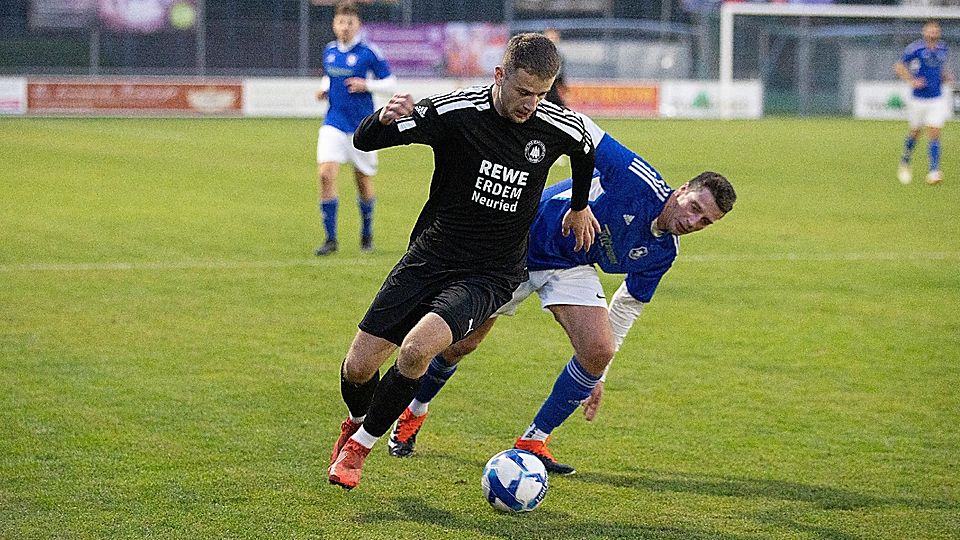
point(730, 10)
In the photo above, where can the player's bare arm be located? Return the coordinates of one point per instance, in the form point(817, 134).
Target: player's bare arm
point(583, 225)
point(400, 105)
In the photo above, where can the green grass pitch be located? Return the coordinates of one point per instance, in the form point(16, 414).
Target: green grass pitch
point(169, 346)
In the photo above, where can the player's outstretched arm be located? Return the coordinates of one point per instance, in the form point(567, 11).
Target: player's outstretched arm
point(624, 310)
point(374, 132)
point(400, 105)
point(386, 85)
point(579, 218)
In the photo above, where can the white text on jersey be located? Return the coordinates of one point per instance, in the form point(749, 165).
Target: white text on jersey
point(504, 184)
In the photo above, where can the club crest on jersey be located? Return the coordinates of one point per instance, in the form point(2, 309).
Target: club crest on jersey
point(628, 219)
point(351, 59)
point(535, 151)
point(421, 110)
point(637, 253)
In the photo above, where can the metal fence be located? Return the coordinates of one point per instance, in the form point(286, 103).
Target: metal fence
point(270, 37)
point(806, 65)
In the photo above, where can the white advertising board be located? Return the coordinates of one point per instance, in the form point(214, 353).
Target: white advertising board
point(704, 99)
point(13, 95)
point(279, 97)
point(296, 97)
point(887, 100)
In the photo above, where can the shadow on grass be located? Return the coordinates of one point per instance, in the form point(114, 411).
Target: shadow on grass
point(822, 497)
point(543, 524)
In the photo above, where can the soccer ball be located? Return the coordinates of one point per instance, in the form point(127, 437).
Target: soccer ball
point(514, 481)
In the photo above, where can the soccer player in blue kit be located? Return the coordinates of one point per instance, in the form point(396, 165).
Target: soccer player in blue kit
point(924, 67)
point(641, 220)
point(354, 69)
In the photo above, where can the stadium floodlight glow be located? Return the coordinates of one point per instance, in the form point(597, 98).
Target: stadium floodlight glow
point(730, 10)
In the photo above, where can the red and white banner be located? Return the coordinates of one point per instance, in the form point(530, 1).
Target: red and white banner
point(67, 96)
point(614, 99)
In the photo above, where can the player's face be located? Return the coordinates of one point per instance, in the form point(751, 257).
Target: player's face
point(519, 94)
point(345, 27)
point(931, 32)
point(692, 210)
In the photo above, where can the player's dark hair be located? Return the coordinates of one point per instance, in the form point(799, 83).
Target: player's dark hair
point(719, 187)
point(346, 7)
point(533, 53)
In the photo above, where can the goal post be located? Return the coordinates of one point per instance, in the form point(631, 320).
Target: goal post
point(729, 11)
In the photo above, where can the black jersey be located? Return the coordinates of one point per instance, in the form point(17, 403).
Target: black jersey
point(488, 174)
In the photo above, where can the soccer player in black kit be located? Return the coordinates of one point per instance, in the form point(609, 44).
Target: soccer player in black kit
point(493, 147)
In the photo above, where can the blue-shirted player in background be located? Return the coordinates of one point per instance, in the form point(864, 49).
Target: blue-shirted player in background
point(924, 66)
point(353, 70)
point(641, 221)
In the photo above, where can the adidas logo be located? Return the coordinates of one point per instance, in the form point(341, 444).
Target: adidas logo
point(628, 219)
point(421, 110)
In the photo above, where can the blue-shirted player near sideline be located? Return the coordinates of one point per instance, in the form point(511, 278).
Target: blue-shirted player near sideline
point(353, 70)
point(641, 221)
point(924, 66)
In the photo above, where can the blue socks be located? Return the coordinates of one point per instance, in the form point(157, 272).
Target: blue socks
point(437, 375)
point(908, 148)
point(328, 212)
point(573, 385)
point(935, 155)
point(366, 217)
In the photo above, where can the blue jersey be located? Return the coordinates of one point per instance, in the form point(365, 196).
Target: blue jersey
point(626, 196)
point(348, 110)
point(928, 64)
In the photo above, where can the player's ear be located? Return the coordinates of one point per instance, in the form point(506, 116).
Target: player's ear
point(498, 75)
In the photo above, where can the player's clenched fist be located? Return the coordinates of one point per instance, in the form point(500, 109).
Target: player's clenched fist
point(400, 105)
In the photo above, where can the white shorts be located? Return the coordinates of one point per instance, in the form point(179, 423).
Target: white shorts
point(577, 286)
point(335, 145)
point(929, 112)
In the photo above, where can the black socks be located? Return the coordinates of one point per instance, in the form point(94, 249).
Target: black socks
point(358, 396)
point(392, 395)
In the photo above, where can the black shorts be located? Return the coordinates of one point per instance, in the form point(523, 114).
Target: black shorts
point(415, 287)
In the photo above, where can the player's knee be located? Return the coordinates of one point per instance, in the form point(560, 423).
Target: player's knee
point(595, 357)
point(327, 178)
point(356, 372)
point(413, 359)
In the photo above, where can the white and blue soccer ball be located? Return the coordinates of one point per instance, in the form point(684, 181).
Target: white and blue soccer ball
point(514, 481)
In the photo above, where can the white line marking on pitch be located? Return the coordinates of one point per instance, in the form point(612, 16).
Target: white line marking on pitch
point(182, 265)
point(826, 257)
point(366, 261)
